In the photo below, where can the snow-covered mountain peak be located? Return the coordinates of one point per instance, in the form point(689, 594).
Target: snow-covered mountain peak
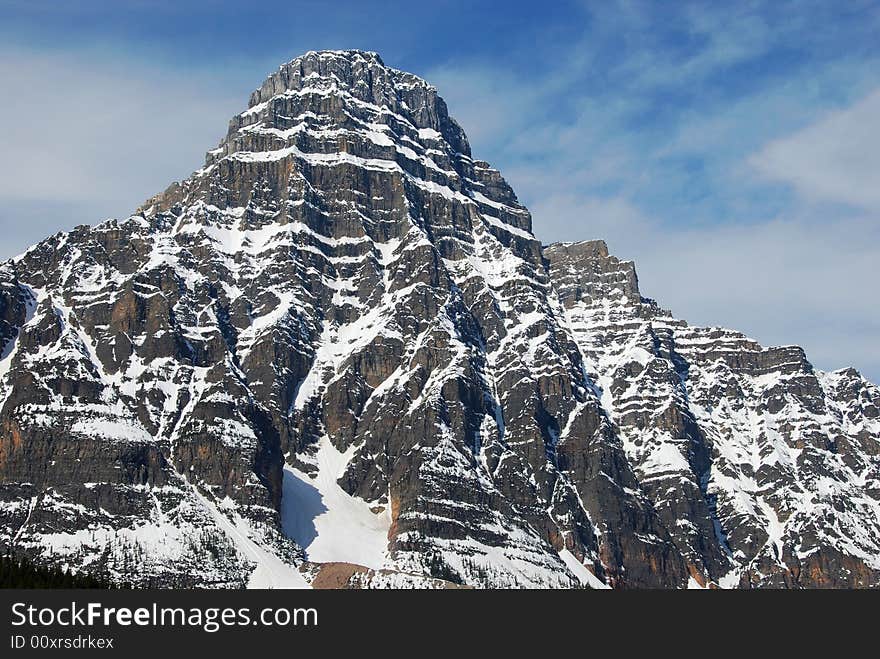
point(342, 326)
point(349, 90)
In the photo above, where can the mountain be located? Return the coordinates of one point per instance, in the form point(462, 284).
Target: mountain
point(336, 355)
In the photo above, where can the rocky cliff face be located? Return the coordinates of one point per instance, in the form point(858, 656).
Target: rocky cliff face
point(339, 344)
point(764, 470)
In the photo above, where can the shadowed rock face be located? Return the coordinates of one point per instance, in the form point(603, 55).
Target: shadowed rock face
point(342, 271)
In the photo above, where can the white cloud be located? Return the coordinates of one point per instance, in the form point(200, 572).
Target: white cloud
point(836, 159)
point(86, 137)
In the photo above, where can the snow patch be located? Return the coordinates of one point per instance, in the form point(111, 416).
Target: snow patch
point(586, 577)
point(326, 521)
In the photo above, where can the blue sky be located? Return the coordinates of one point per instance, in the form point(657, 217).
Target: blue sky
point(731, 149)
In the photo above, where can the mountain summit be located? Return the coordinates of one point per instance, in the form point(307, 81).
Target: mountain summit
point(336, 355)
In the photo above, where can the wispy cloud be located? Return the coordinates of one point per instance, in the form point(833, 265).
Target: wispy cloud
point(87, 138)
point(836, 159)
point(697, 140)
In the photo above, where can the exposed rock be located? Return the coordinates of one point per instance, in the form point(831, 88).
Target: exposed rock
point(348, 576)
point(758, 465)
point(342, 270)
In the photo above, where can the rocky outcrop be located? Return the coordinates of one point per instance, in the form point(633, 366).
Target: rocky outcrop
point(348, 576)
point(746, 453)
point(343, 277)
